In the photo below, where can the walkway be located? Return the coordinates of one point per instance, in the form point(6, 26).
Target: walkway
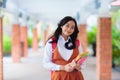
point(31, 68)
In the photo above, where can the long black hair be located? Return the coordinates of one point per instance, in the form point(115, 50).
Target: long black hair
point(58, 32)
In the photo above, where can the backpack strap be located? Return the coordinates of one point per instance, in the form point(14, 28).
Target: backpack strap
point(53, 44)
point(77, 43)
point(53, 47)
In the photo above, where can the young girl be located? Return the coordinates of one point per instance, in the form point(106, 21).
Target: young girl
point(61, 49)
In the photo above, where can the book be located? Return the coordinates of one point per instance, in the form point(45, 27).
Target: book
point(81, 60)
point(81, 57)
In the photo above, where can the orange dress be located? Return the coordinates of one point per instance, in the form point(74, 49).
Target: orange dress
point(63, 75)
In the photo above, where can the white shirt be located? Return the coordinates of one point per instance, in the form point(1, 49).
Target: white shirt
point(65, 54)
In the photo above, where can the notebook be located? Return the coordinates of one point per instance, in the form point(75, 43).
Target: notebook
point(81, 57)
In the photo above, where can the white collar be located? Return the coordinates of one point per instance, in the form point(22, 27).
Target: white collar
point(61, 37)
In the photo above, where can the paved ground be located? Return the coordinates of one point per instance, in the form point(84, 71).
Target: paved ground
point(31, 68)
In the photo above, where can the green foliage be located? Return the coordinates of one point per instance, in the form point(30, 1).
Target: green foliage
point(92, 35)
point(116, 45)
point(115, 42)
point(115, 38)
point(115, 16)
point(7, 44)
point(29, 42)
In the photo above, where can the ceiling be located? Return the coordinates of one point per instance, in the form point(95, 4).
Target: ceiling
point(54, 10)
point(49, 9)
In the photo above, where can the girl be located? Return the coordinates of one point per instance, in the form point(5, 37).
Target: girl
point(61, 49)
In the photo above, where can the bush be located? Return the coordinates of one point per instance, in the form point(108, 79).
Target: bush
point(7, 45)
point(116, 46)
point(92, 39)
point(29, 42)
point(92, 35)
point(115, 43)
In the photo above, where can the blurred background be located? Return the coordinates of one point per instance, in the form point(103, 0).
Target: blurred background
point(41, 17)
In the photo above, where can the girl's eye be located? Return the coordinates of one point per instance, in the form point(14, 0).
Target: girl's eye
point(72, 27)
point(67, 25)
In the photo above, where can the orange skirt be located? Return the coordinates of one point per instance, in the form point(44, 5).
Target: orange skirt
point(62, 75)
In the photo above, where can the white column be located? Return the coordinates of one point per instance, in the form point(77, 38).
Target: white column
point(83, 17)
point(104, 9)
point(15, 19)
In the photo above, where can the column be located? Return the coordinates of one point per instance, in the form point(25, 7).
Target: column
point(24, 42)
point(48, 32)
point(1, 50)
point(82, 36)
point(45, 36)
point(104, 49)
point(35, 40)
point(104, 43)
point(16, 51)
point(24, 36)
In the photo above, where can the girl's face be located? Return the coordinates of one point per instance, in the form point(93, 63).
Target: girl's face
point(68, 28)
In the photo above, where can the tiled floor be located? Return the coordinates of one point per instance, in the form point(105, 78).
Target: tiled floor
point(31, 68)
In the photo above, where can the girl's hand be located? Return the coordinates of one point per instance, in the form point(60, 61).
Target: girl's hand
point(75, 65)
point(70, 67)
point(78, 67)
point(67, 68)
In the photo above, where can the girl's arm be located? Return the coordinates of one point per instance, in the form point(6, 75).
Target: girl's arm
point(47, 59)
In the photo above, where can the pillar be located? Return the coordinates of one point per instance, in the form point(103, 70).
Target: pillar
point(23, 35)
point(82, 36)
point(104, 49)
point(16, 51)
point(24, 41)
point(1, 51)
point(35, 40)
